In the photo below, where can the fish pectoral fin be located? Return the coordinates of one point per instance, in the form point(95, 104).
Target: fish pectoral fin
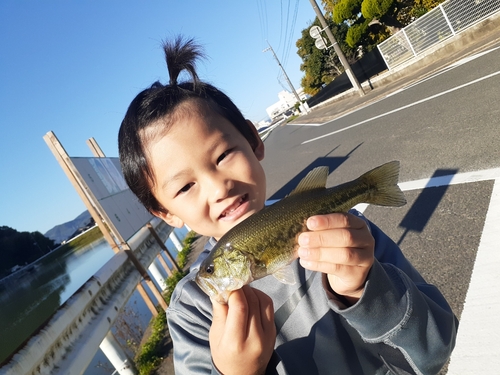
point(315, 179)
point(285, 275)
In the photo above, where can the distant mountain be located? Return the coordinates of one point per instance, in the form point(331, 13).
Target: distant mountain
point(63, 232)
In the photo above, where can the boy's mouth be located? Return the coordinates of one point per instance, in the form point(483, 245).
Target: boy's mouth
point(233, 211)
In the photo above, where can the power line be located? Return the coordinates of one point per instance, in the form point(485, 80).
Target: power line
point(262, 19)
point(292, 28)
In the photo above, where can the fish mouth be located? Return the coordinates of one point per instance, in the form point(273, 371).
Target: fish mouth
point(212, 290)
point(219, 293)
point(236, 209)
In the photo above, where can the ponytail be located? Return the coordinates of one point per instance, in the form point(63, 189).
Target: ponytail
point(182, 55)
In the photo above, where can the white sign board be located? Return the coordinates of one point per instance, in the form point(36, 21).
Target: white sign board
point(104, 178)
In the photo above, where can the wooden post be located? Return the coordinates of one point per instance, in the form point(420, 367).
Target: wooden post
point(164, 264)
point(147, 300)
point(95, 148)
point(162, 245)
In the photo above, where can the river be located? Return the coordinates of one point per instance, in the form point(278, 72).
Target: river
point(30, 297)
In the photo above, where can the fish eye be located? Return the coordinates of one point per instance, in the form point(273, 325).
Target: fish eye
point(209, 269)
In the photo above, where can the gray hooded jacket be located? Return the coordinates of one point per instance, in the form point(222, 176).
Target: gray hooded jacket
point(401, 324)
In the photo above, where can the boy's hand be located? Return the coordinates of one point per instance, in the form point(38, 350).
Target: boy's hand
point(243, 333)
point(341, 246)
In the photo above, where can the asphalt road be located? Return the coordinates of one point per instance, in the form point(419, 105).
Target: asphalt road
point(442, 121)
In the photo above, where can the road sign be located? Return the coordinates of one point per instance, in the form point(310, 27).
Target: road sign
point(315, 32)
point(320, 43)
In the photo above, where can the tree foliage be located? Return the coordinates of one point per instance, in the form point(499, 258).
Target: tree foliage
point(20, 248)
point(369, 21)
point(346, 10)
point(321, 66)
point(376, 9)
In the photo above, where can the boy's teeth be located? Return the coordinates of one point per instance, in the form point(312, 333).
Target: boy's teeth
point(225, 213)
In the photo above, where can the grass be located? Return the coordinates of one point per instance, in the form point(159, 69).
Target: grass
point(149, 356)
point(87, 238)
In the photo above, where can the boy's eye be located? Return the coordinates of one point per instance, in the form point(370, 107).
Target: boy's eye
point(185, 188)
point(223, 156)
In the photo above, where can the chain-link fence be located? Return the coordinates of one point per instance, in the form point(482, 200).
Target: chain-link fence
point(443, 22)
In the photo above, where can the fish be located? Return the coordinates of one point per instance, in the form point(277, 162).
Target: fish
point(266, 242)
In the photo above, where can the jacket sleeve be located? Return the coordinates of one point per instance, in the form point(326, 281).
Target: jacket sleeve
point(408, 321)
point(189, 319)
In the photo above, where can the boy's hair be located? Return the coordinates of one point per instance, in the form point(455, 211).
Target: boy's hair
point(161, 102)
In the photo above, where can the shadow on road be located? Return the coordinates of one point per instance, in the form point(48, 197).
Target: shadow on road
point(424, 206)
point(332, 162)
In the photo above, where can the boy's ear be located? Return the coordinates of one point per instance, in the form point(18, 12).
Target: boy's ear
point(170, 219)
point(259, 150)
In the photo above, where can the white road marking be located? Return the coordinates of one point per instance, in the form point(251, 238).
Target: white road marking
point(311, 124)
point(405, 106)
point(446, 69)
point(477, 347)
point(476, 350)
point(472, 57)
point(459, 178)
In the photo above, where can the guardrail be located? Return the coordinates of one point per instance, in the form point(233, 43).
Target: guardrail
point(445, 21)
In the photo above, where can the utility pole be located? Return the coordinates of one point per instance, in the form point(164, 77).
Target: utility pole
point(305, 107)
point(337, 49)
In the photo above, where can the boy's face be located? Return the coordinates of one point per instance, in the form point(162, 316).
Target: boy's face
point(206, 174)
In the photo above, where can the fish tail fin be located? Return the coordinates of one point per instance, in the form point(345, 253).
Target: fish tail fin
point(383, 182)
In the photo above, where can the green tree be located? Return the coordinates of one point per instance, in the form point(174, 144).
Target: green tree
point(376, 9)
point(345, 10)
point(372, 21)
point(321, 66)
point(369, 21)
point(20, 248)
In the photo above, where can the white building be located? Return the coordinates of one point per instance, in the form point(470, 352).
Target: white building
point(286, 101)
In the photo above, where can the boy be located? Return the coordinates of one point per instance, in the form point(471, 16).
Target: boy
point(359, 306)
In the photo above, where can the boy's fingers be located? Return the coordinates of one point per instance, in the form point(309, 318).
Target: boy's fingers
point(254, 308)
point(336, 230)
point(219, 312)
point(219, 316)
point(267, 312)
point(341, 256)
point(336, 238)
point(237, 314)
point(335, 220)
point(261, 306)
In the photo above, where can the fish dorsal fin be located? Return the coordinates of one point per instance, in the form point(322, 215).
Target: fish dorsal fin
point(285, 275)
point(315, 179)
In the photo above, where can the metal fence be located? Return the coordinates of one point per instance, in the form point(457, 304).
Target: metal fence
point(441, 23)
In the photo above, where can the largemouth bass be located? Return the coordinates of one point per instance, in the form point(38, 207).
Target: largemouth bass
point(266, 242)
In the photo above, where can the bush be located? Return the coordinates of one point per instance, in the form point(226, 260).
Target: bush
point(150, 357)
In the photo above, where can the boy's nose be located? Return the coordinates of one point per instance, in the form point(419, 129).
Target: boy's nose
point(221, 188)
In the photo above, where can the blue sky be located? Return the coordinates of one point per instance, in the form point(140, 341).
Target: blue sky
point(74, 66)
